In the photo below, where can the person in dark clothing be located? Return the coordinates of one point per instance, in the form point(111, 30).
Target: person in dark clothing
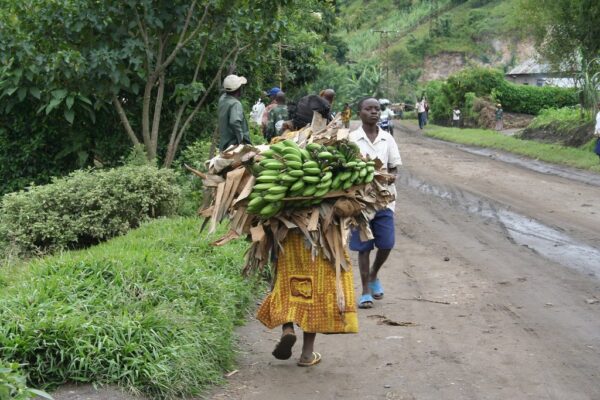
point(303, 114)
point(233, 126)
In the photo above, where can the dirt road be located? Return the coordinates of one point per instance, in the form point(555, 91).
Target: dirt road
point(497, 267)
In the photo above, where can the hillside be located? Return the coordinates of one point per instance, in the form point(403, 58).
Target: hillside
point(429, 39)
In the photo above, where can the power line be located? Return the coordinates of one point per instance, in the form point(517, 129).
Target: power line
point(384, 36)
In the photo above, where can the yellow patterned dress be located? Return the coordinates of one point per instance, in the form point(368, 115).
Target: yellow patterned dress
point(304, 292)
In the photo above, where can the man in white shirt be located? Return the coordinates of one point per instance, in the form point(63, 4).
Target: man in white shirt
point(420, 108)
point(375, 143)
point(456, 117)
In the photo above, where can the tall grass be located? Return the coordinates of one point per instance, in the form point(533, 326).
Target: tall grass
point(152, 311)
point(574, 157)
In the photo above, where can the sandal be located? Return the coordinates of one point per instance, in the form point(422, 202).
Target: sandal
point(316, 359)
point(366, 301)
point(283, 349)
point(376, 289)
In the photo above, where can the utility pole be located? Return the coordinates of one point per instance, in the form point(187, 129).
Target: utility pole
point(383, 37)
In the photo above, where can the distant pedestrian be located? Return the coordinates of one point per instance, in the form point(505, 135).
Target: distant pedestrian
point(346, 115)
point(426, 106)
point(456, 117)
point(420, 109)
point(499, 117)
point(329, 95)
point(277, 117)
point(265, 116)
point(597, 132)
point(233, 126)
point(257, 110)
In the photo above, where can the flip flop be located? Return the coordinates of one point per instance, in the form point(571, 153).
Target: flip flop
point(283, 349)
point(376, 289)
point(316, 359)
point(366, 301)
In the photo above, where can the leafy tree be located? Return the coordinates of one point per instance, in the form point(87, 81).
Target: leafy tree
point(566, 31)
point(155, 63)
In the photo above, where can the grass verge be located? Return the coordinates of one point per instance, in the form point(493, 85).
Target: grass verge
point(152, 311)
point(570, 156)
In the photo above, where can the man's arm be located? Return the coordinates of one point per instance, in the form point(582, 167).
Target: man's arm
point(236, 118)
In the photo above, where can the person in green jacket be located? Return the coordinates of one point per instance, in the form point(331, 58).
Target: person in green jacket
point(277, 117)
point(233, 126)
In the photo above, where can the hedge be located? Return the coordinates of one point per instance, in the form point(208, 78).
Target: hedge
point(85, 207)
point(533, 99)
point(487, 82)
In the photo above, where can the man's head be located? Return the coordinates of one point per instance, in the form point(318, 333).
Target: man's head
point(233, 84)
point(328, 94)
point(273, 92)
point(280, 98)
point(369, 110)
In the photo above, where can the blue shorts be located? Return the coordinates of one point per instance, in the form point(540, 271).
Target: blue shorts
point(382, 227)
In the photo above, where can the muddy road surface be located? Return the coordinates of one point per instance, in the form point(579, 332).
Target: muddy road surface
point(496, 275)
point(497, 271)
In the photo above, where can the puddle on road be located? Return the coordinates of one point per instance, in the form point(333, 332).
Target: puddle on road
point(549, 242)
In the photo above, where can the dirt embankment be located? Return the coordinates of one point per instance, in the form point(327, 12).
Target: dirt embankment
point(574, 136)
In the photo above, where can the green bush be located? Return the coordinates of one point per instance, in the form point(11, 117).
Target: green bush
point(13, 385)
point(152, 311)
point(533, 99)
point(486, 82)
point(86, 207)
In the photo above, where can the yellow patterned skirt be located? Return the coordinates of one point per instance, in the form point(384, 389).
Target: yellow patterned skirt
point(304, 292)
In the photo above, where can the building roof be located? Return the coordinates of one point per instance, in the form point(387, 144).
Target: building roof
point(528, 67)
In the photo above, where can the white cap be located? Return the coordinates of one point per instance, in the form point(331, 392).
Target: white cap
point(231, 83)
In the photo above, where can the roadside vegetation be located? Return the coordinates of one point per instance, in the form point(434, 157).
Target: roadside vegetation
point(582, 158)
point(152, 311)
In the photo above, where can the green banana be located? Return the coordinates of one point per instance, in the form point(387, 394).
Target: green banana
point(296, 173)
point(309, 190)
point(256, 202)
point(311, 179)
point(288, 179)
point(321, 192)
point(312, 171)
point(325, 184)
point(263, 186)
point(274, 165)
point(299, 185)
point(325, 155)
point(347, 184)
point(269, 172)
point(310, 164)
point(267, 179)
point(271, 208)
point(268, 153)
point(277, 189)
point(274, 197)
point(292, 157)
point(293, 164)
point(369, 177)
point(305, 154)
point(345, 175)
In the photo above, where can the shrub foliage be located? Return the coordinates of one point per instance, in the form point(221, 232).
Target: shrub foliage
point(486, 82)
point(152, 311)
point(86, 207)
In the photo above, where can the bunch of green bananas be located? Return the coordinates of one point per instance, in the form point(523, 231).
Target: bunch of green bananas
point(290, 171)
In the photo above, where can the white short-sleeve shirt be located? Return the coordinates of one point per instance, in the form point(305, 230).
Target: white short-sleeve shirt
point(384, 148)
